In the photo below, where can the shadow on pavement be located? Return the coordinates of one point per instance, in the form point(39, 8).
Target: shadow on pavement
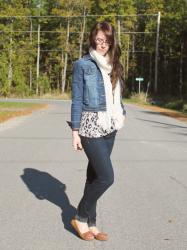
point(45, 186)
point(172, 114)
point(162, 123)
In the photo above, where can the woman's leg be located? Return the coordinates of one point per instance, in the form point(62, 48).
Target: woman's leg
point(99, 175)
point(90, 177)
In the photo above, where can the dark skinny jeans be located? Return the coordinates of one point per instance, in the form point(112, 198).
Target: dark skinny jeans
point(100, 175)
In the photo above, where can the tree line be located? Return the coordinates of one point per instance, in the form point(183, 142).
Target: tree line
point(40, 40)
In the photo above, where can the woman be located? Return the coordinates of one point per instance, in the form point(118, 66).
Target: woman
point(97, 112)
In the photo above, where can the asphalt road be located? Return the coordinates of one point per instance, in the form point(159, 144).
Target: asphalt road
point(42, 180)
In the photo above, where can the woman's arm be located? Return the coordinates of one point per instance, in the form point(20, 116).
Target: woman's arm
point(77, 95)
point(76, 106)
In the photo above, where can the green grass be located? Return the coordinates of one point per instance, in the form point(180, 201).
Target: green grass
point(135, 101)
point(168, 103)
point(17, 104)
point(137, 98)
point(4, 112)
point(17, 109)
point(53, 95)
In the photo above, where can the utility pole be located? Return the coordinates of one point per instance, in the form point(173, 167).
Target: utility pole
point(157, 53)
point(38, 53)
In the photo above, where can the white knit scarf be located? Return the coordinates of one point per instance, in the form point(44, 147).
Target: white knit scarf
point(113, 106)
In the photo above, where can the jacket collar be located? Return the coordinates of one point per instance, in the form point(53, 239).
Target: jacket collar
point(87, 57)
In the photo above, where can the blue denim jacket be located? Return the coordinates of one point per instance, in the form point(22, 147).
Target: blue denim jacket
point(88, 92)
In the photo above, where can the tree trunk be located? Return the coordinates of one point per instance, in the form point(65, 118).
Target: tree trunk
point(38, 60)
point(62, 70)
point(66, 58)
point(127, 63)
point(150, 68)
point(30, 66)
point(62, 63)
point(181, 71)
point(119, 32)
point(133, 59)
point(10, 75)
point(82, 34)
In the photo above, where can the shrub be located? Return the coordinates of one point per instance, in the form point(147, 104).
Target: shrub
point(177, 105)
point(185, 108)
point(139, 97)
point(44, 84)
point(22, 90)
point(4, 85)
point(126, 93)
point(19, 87)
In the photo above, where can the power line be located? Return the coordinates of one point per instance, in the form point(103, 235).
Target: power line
point(109, 15)
point(60, 50)
point(64, 32)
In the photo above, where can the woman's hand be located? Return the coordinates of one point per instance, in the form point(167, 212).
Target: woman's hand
point(76, 140)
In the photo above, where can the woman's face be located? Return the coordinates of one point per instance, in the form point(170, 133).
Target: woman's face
point(102, 45)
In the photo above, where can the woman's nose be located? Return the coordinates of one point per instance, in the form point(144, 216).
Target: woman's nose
point(103, 45)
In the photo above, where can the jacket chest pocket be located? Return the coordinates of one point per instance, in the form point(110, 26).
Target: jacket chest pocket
point(90, 75)
point(90, 90)
point(90, 71)
point(90, 93)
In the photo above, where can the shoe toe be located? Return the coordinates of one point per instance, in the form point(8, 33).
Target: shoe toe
point(88, 235)
point(101, 236)
point(85, 236)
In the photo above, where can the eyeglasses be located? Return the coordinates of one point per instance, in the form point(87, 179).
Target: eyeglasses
point(101, 41)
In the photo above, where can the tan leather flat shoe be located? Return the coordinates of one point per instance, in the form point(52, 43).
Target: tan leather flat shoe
point(85, 236)
point(101, 236)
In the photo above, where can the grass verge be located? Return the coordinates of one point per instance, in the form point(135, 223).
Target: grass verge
point(9, 110)
point(161, 108)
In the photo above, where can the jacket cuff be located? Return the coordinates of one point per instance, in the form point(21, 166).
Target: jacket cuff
point(74, 125)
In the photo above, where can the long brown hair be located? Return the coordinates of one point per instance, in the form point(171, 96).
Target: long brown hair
point(114, 50)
